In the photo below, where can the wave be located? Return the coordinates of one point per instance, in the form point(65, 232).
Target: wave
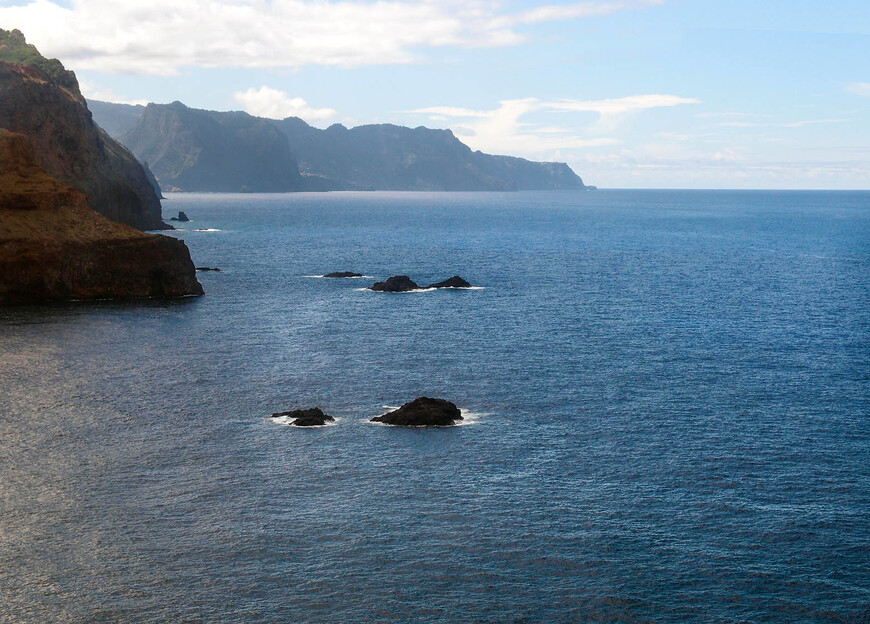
point(208, 230)
point(420, 290)
point(287, 421)
point(340, 278)
point(468, 418)
point(460, 288)
point(471, 418)
point(404, 292)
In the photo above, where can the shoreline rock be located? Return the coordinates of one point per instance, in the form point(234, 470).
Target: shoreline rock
point(423, 412)
point(403, 283)
point(453, 282)
point(313, 417)
point(344, 274)
point(397, 283)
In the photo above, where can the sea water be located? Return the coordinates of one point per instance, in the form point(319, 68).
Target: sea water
point(668, 398)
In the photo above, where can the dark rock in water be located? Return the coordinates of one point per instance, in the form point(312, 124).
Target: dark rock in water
point(344, 274)
point(313, 417)
point(181, 217)
point(208, 269)
point(397, 283)
point(453, 282)
point(423, 412)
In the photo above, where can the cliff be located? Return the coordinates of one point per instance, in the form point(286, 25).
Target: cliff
point(53, 246)
point(116, 119)
point(390, 157)
point(197, 150)
point(40, 99)
point(190, 149)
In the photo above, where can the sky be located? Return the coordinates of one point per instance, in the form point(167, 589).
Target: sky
point(769, 94)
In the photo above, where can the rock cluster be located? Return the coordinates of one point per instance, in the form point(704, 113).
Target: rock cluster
point(403, 283)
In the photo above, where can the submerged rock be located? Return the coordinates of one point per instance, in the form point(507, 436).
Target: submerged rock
point(423, 412)
point(313, 417)
point(397, 283)
point(453, 282)
point(344, 274)
point(181, 217)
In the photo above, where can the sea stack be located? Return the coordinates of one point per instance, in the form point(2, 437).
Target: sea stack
point(313, 417)
point(423, 412)
point(344, 274)
point(397, 283)
point(453, 282)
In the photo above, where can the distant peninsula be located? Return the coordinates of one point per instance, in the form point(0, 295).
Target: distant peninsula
point(197, 150)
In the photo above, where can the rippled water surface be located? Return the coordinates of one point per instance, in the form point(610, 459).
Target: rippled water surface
point(670, 395)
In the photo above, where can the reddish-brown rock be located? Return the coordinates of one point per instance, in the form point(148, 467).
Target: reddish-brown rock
point(45, 104)
point(54, 247)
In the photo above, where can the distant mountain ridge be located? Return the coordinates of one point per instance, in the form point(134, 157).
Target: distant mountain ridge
point(196, 150)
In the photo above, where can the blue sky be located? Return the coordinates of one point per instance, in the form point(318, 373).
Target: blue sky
point(630, 93)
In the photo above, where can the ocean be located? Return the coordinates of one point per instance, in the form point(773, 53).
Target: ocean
point(666, 399)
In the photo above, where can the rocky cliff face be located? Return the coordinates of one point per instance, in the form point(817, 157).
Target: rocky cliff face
point(54, 247)
point(40, 99)
point(192, 149)
point(389, 157)
point(197, 150)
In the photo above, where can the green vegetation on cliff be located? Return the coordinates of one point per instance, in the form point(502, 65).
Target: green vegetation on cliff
point(15, 49)
point(47, 106)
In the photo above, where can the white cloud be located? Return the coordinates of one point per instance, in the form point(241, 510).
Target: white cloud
point(621, 106)
point(611, 112)
point(660, 166)
point(504, 131)
point(95, 92)
point(274, 104)
point(162, 36)
point(791, 124)
point(859, 88)
point(731, 114)
point(576, 10)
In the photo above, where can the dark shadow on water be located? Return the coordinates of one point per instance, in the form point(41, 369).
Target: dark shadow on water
point(36, 314)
